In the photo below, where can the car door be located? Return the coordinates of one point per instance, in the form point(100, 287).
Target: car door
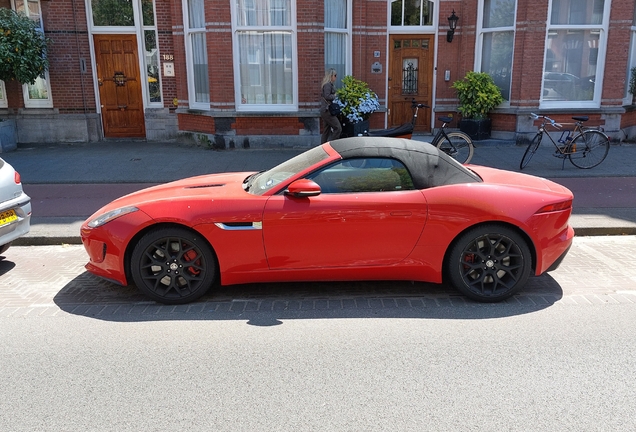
point(368, 213)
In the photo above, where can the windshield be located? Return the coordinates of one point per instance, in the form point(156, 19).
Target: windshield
point(260, 183)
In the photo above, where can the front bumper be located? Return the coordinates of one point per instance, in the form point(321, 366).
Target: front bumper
point(107, 245)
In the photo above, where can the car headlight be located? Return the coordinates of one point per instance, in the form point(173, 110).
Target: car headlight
point(109, 216)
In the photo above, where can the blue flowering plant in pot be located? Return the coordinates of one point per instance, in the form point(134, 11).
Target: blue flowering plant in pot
point(357, 102)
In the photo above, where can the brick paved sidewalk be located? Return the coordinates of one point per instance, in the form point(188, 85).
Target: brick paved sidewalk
point(53, 282)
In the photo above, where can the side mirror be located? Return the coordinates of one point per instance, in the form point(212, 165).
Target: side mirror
point(303, 188)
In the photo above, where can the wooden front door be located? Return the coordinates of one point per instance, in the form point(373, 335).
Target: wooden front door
point(119, 86)
point(410, 77)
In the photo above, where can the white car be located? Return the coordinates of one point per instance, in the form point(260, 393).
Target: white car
point(15, 207)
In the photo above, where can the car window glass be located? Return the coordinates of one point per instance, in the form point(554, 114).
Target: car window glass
point(363, 175)
point(265, 181)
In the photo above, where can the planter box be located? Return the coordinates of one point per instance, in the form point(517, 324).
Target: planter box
point(8, 140)
point(354, 129)
point(476, 129)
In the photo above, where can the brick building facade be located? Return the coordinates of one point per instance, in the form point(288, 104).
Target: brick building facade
point(248, 72)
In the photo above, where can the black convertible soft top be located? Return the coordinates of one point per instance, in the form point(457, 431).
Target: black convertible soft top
point(428, 166)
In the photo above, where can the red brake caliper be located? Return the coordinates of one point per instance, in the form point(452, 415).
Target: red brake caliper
point(189, 256)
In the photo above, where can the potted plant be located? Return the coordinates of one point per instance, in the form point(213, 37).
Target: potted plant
point(478, 95)
point(357, 102)
point(23, 52)
point(632, 84)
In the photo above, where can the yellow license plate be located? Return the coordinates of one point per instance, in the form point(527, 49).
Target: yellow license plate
point(7, 217)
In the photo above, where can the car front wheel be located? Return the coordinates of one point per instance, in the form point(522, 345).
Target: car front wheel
point(489, 263)
point(4, 248)
point(173, 265)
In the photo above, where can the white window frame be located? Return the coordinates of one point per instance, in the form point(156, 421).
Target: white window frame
point(137, 29)
point(479, 44)
point(427, 29)
point(600, 60)
point(144, 62)
point(187, 36)
point(627, 97)
point(293, 30)
point(3, 96)
point(348, 36)
point(28, 102)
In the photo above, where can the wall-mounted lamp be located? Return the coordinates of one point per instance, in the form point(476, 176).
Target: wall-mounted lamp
point(452, 23)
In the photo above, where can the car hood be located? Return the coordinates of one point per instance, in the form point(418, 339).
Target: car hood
point(496, 176)
point(207, 187)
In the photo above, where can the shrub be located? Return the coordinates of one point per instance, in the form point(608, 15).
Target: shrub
point(477, 94)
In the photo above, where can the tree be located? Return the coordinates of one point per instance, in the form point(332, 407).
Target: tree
point(23, 48)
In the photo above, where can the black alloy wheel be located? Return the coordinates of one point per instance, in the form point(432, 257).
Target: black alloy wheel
point(173, 265)
point(489, 263)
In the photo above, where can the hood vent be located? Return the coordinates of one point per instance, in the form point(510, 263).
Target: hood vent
point(206, 186)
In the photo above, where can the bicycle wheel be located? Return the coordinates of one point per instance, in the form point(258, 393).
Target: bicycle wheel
point(591, 149)
point(458, 145)
point(530, 151)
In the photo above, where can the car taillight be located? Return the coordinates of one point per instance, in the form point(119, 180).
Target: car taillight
point(564, 205)
point(16, 178)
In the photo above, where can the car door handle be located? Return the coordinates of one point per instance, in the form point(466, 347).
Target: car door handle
point(401, 213)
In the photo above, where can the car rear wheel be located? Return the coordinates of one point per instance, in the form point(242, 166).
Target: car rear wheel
point(173, 265)
point(489, 263)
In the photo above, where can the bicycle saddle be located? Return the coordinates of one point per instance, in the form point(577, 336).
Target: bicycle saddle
point(581, 118)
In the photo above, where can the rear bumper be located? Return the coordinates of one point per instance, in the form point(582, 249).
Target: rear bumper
point(557, 263)
point(555, 251)
point(19, 227)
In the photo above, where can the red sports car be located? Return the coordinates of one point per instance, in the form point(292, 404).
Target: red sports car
point(354, 209)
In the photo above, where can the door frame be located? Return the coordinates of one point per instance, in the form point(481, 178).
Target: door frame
point(138, 31)
point(435, 38)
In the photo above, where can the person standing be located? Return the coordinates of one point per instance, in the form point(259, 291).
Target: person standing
point(333, 128)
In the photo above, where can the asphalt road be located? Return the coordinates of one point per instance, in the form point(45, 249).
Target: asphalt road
point(565, 368)
point(80, 353)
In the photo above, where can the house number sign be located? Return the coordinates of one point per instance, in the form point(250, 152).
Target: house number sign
point(168, 69)
point(168, 65)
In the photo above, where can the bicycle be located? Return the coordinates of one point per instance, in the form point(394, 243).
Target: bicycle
point(458, 145)
point(585, 147)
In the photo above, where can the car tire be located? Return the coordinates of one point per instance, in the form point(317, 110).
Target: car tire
point(4, 248)
point(173, 265)
point(489, 263)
